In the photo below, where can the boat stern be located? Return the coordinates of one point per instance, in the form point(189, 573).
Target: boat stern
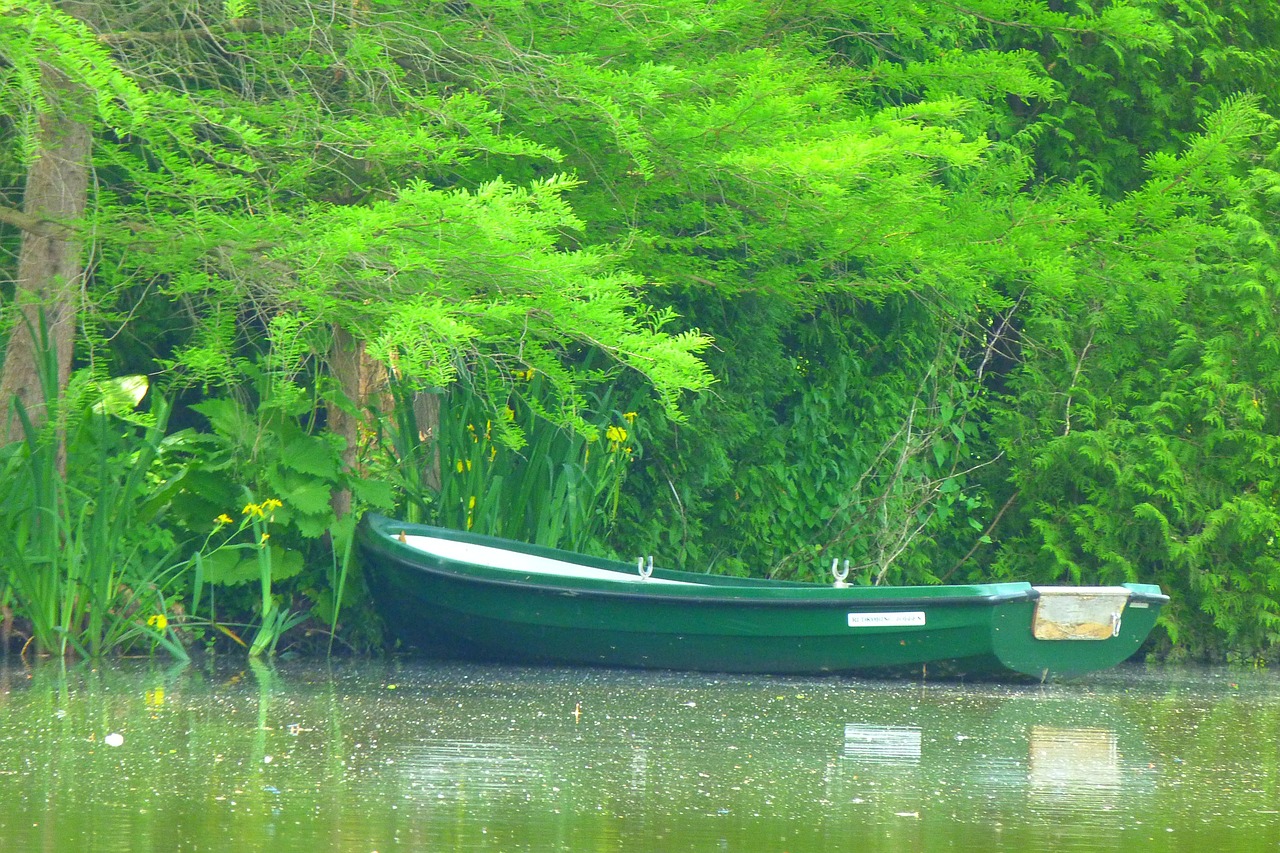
point(1067, 631)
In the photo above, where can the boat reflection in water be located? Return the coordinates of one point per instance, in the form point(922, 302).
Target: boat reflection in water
point(1081, 765)
point(882, 744)
point(455, 769)
point(1076, 782)
point(623, 760)
point(1072, 788)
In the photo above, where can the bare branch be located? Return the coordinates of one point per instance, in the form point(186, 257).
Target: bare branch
point(1074, 376)
point(37, 225)
point(238, 26)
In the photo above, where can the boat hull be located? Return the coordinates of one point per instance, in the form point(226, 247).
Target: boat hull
point(447, 607)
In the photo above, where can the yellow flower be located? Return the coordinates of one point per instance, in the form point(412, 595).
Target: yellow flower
point(616, 435)
point(253, 509)
point(159, 621)
point(629, 417)
point(222, 520)
point(270, 504)
point(265, 537)
point(471, 504)
point(459, 466)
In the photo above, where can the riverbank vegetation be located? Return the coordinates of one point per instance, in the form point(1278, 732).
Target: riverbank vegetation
point(956, 292)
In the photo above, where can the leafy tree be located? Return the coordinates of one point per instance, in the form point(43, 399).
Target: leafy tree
point(268, 204)
point(988, 282)
point(1127, 98)
point(1141, 420)
point(275, 192)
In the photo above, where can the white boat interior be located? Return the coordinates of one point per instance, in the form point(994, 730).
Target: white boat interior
point(515, 561)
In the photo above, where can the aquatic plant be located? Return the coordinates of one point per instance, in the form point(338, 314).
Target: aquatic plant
point(267, 445)
point(86, 569)
point(223, 560)
point(513, 472)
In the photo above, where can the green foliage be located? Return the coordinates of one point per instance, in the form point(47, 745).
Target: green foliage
point(280, 542)
point(990, 285)
point(81, 556)
point(229, 564)
point(850, 446)
point(1141, 423)
point(513, 473)
point(39, 41)
point(1147, 84)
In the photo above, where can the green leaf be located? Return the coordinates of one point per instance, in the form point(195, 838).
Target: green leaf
point(230, 566)
point(375, 493)
point(285, 563)
point(121, 395)
point(309, 454)
point(227, 418)
point(313, 526)
point(308, 497)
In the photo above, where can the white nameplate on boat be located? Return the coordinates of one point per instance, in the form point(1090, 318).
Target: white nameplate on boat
point(886, 620)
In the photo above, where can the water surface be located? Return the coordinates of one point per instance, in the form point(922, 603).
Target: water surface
point(367, 756)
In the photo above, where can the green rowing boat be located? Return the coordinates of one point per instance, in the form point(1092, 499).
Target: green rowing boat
point(458, 594)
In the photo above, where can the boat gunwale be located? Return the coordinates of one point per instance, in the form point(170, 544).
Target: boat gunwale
point(1141, 593)
point(667, 596)
point(809, 595)
point(377, 530)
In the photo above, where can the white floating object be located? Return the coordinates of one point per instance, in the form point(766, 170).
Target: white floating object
point(114, 739)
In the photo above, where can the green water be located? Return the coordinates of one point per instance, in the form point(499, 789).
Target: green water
point(380, 757)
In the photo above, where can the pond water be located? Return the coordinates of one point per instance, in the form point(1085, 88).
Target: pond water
point(370, 756)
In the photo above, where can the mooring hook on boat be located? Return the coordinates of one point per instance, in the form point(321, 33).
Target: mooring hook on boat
point(840, 575)
point(644, 570)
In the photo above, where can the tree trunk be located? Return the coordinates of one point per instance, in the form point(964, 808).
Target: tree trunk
point(426, 411)
point(47, 290)
point(363, 382)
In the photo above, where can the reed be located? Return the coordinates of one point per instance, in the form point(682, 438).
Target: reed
point(75, 503)
point(559, 488)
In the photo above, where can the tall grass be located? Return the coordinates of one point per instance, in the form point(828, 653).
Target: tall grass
point(74, 551)
point(560, 488)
